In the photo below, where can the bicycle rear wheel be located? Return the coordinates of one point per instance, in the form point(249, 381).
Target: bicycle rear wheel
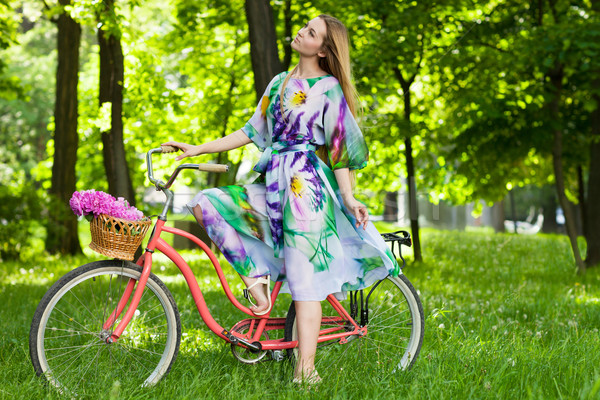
point(67, 342)
point(394, 336)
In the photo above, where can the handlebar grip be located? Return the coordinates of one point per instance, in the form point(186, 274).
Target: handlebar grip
point(213, 167)
point(169, 149)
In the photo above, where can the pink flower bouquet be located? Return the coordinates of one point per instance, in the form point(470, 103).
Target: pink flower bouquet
point(117, 229)
point(93, 203)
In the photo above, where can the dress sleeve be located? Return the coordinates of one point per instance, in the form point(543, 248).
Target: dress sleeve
point(345, 143)
point(257, 128)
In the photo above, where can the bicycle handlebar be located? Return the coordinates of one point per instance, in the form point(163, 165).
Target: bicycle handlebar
point(201, 167)
point(212, 167)
point(164, 187)
point(171, 149)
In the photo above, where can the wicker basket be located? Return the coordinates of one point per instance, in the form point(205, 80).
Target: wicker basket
point(116, 237)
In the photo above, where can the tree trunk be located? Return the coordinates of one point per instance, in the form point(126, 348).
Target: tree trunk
point(111, 91)
point(593, 193)
point(410, 168)
point(61, 230)
point(410, 174)
point(498, 216)
point(513, 211)
point(390, 207)
point(556, 77)
point(582, 202)
point(287, 32)
point(412, 199)
point(263, 43)
point(549, 206)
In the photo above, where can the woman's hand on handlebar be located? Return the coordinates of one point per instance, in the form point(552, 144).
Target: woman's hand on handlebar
point(189, 150)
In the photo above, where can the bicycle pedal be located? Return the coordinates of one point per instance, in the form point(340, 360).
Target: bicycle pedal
point(235, 340)
point(246, 294)
point(277, 355)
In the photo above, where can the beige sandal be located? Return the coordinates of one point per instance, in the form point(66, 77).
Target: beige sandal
point(266, 281)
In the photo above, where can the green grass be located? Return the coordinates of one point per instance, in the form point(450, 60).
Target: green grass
point(506, 317)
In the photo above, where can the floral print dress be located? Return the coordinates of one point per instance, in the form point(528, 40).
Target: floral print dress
point(294, 226)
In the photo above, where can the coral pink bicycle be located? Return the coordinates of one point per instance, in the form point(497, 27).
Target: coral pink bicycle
point(116, 320)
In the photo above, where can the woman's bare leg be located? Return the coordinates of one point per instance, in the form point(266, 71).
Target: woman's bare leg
point(198, 215)
point(258, 291)
point(308, 318)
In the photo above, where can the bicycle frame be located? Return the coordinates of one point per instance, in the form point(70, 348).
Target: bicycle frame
point(257, 325)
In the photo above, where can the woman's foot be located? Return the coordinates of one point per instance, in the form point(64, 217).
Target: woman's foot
point(259, 289)
point(261, 299)
point(310, 378)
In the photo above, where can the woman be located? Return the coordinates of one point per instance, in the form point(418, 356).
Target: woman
point(302, 225)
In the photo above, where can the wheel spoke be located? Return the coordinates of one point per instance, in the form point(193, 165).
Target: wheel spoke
point(384, 344)
point(78, 349)
point(73, 294)
point(71, 319)
point(405, 324)
point(55, 329)
point(135, 358)
point(337, 357)
point(71, 361)
point(88, 366)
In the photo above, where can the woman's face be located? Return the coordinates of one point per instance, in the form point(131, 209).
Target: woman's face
point(309, 40)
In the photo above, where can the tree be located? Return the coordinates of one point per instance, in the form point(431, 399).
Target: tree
point(62, 234)
point(111, 94)
point(190, 82)
point(263, 43)
point(555, 76)
point(593, 191)
point(396, 45)
point(529, 110)
point(287, 35)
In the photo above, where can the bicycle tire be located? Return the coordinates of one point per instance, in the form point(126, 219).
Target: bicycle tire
point(387, 347)
point(67, 342)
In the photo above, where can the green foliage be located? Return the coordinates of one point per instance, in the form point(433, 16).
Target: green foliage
point(497, 131)
point(20, 217)
point(8, 24)
point(395, 48)
point(9, 84)
point(23, 125)
point(189, 81)
point(529, 332)
point(23, 133)
point(479, 124)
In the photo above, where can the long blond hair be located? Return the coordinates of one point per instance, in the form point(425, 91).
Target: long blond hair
point(336, 62)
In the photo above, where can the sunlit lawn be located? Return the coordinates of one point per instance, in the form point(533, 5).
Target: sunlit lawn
point(506, 317)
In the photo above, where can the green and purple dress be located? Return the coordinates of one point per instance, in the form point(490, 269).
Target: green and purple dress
point(294, 226)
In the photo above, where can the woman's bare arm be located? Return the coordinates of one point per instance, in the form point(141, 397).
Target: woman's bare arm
point(226, 143)
point(358, 209)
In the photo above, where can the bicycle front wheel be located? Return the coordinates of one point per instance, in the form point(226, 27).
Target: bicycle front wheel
point(67, 341)
point(394, 332)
